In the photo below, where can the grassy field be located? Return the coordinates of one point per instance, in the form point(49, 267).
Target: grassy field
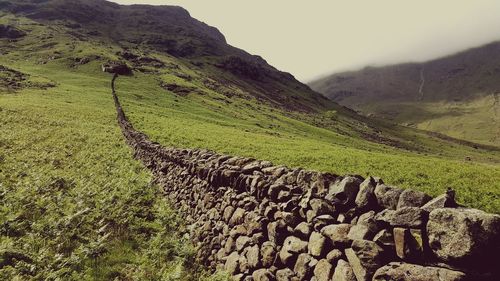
point(73, 201)
point(76, 206)
point(185, 122)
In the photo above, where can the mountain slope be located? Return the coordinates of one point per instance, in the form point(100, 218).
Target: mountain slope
point(457, 95)
point(74, 205)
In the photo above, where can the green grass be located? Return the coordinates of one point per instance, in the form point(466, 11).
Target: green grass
point(61, 152)
point(185, 122)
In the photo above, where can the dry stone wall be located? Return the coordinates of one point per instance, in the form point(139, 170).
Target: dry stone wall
point(261, 222)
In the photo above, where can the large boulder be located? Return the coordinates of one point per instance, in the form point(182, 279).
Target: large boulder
point(397, 271)
point(464, 235)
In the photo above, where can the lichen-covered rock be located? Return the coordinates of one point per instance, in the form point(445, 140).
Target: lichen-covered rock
point(365, 257)
point(232, 263)
point(337, 233)
point(366, 200)
point(387, 196)
point(464, 235)
point(262, 275)
point(323, 270)
point(343, 272)
point(345, 190)
point(253, 256)
point(446, 200)
point(292, 247)
point(412, 198)
point(317, 244)
point(268, 253)
point(302, 268)
point(302, 230)
point(237, 217)
point(397, 271)
point(333, 256)
point(284, 274)
point(413, 217)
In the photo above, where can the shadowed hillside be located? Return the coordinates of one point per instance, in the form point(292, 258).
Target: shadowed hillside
point(457, 95)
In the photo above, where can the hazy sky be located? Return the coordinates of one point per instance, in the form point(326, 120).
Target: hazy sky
point(314, 38)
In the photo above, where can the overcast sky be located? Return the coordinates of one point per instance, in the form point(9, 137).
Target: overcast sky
point(313, 38)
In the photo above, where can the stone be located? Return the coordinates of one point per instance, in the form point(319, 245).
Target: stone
point(366, 200)
point(343, 272)
point(291, 247)
point(285, 274)
point(408, 244)
point(237, 217)
point(232, 263)
point(412, 272)
point(253, 256)
point(345, 190)
point(365, 257)
point(262, 275)
point(302, 230)
point(321, 221)
point(268, 253)
point(333, 256)
point(319, 207)
point(243, 262)
point(302, 268)
point(228, 212)
point(359, 232)
point(249, 168)
point(446, 200)
point(323, 270)
point(412, 217)
point(412, 198)
point(384, 238)
point(365, 228)
point(276, 231)
point(385, 217)
point(337, 233)
point(242, 242)
point(317, 244)
point(464, 235)
point(387, 196)
point(237, 231)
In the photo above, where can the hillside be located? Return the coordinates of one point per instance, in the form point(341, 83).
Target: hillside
point(455, 95)
point(75, 205)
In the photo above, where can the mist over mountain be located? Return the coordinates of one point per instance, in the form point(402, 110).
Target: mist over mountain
point(456, 95)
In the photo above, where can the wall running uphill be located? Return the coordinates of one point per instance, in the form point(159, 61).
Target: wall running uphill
point(258, 221)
